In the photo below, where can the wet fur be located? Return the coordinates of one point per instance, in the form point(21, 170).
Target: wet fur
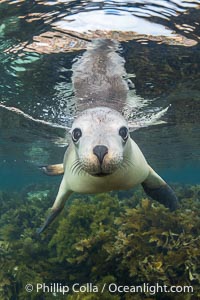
point(98, 77)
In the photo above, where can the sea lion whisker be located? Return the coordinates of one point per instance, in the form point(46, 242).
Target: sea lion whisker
point(79, 168)
point(122, 165)
point(128, 162)
point(75, 165)
point(74, 169)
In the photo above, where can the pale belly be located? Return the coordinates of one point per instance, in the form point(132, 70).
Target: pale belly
point(85, 183)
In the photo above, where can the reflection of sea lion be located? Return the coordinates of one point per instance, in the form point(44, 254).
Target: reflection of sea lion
point(101, 156)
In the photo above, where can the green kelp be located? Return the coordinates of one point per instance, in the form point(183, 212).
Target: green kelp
point(99, 239)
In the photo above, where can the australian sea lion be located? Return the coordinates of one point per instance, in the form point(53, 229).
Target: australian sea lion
point(101, 156)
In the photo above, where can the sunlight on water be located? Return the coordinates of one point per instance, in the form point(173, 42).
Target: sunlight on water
point(103, 20)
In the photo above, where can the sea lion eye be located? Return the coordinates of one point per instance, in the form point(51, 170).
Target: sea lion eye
point(123, 132)
point(76, 134)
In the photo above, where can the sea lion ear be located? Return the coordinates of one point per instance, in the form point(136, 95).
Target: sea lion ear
point(155, 187)
point(53, 170)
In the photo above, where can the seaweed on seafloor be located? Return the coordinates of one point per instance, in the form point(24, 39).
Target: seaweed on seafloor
point(100, 239)
point(22, 255)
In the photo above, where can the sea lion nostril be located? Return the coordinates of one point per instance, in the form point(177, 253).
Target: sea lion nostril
point(100, 151)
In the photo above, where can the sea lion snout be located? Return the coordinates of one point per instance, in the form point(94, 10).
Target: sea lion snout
point(100, 151)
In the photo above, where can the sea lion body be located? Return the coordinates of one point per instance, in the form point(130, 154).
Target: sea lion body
point(102, 156)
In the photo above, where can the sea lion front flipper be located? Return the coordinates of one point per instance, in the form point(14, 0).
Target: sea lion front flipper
point(53, 214)
point(53, 170)
point(155, 187)
point(62, 196)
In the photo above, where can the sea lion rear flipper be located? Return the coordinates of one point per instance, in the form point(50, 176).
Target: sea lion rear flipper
point(53, 170)
point(155, 187)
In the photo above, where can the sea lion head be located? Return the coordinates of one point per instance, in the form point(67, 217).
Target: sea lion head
point(100, 136)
